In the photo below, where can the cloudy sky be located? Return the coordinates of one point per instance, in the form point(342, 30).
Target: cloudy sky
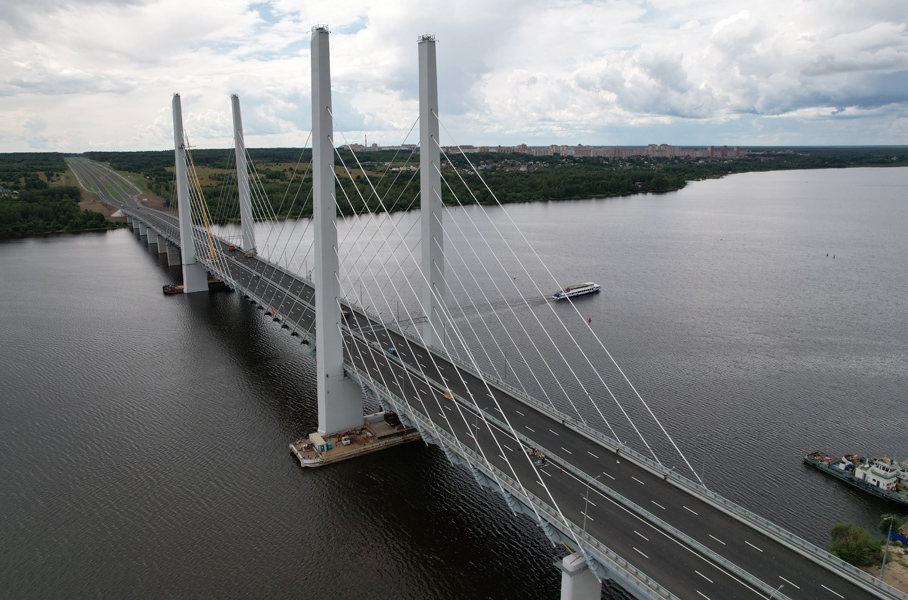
point(84, 75)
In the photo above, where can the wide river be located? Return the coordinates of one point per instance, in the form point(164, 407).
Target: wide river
point(144, 437)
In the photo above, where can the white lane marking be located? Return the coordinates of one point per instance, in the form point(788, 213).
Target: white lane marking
point(441, 415)
point(528, 427)
point(547, 473)
point(788, 582)
point(751, 545)
point(566, 450)
point(609, 476)
point(702, 594)
point(637, 480)
point(657, 504)
point(555, 432)
point(519, 413)
point(590, 503)
point(829, 590)
point(693, 511)
point(644, 555)
point(506, 446)
point(641, 535)
point(448, 407)
point(717, 539)
point(592, 519)
point(502, 456)
point(703, 576)
point(591, 454)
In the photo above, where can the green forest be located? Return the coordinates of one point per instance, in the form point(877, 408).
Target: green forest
point(51, 209)
point(282, 175)
point(34, 201)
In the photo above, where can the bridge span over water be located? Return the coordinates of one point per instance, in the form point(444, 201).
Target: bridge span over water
point(622, 515)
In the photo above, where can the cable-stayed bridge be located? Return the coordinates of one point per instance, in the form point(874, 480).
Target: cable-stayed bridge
point(622, 514)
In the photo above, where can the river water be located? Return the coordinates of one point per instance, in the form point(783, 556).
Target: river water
point(144, 438)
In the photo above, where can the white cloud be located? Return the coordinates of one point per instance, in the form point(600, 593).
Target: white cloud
point(99, 74)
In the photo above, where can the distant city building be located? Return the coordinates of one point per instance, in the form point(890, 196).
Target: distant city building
point(652, 150)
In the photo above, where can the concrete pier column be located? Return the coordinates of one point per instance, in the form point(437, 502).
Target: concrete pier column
point(173, 255)
point(143, 231)
point(430, 213)
point(162, 244)
point(129, 221)
point(247, 222)
point(152, 238)
point(577, 580)
point(340, 400)
point(195, 277)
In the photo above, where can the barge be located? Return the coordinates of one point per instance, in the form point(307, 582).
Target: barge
point(880, 476)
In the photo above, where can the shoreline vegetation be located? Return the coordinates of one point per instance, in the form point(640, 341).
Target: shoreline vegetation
point(38, 193)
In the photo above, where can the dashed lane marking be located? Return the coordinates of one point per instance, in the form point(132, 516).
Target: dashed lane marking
point(789, 583)
point(657, 504)
point(592, 519)
point(717, 539)
point(702, 594)
point(703, 576)
point(609, 476)
point(637, 480)
point(519, 413)
point(751, 545)
point(695, 512)
point(641, 535)
point(555, 432)
point(566, 450)
point(508, 447)
point(528, 427)
point(591, 454)
point(829, 590)
point(643, 555)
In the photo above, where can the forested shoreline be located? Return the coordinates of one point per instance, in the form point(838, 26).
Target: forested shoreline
point(34, 201)
point(283, 175)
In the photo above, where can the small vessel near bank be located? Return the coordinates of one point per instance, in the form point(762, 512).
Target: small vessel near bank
point(880, 476)
point(577, 290)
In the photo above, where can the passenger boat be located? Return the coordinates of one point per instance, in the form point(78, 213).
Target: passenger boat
point(577, 290)
point(879, 476)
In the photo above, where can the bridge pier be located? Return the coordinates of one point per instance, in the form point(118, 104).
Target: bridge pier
point(152, 238)
point(162, 244)
point(143, 230)
point(577, 580)
point(340, 400)
point(195, 277)
point(129, 221)
point(431, 209)
point(242, 178)
point(173, 255)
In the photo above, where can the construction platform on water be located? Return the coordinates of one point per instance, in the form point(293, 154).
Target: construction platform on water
point(379, 431)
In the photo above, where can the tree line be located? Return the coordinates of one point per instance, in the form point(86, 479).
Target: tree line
point(49, 210)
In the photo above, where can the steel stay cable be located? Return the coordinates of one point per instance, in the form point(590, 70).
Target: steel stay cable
point(488, 329)
point(519, 321)
point(460, 375)
point(601, 344)
point(411, 350)
point(545, 331)
point(431, 355)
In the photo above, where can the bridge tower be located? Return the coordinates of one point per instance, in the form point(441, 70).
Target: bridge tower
point(195, 276)
point(340, 401)
point(432, 240)
point(242, 177)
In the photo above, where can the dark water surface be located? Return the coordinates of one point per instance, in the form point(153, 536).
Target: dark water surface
point(144, 438)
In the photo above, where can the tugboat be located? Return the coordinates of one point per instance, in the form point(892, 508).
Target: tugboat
point(880, 476)
point(577, 290)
